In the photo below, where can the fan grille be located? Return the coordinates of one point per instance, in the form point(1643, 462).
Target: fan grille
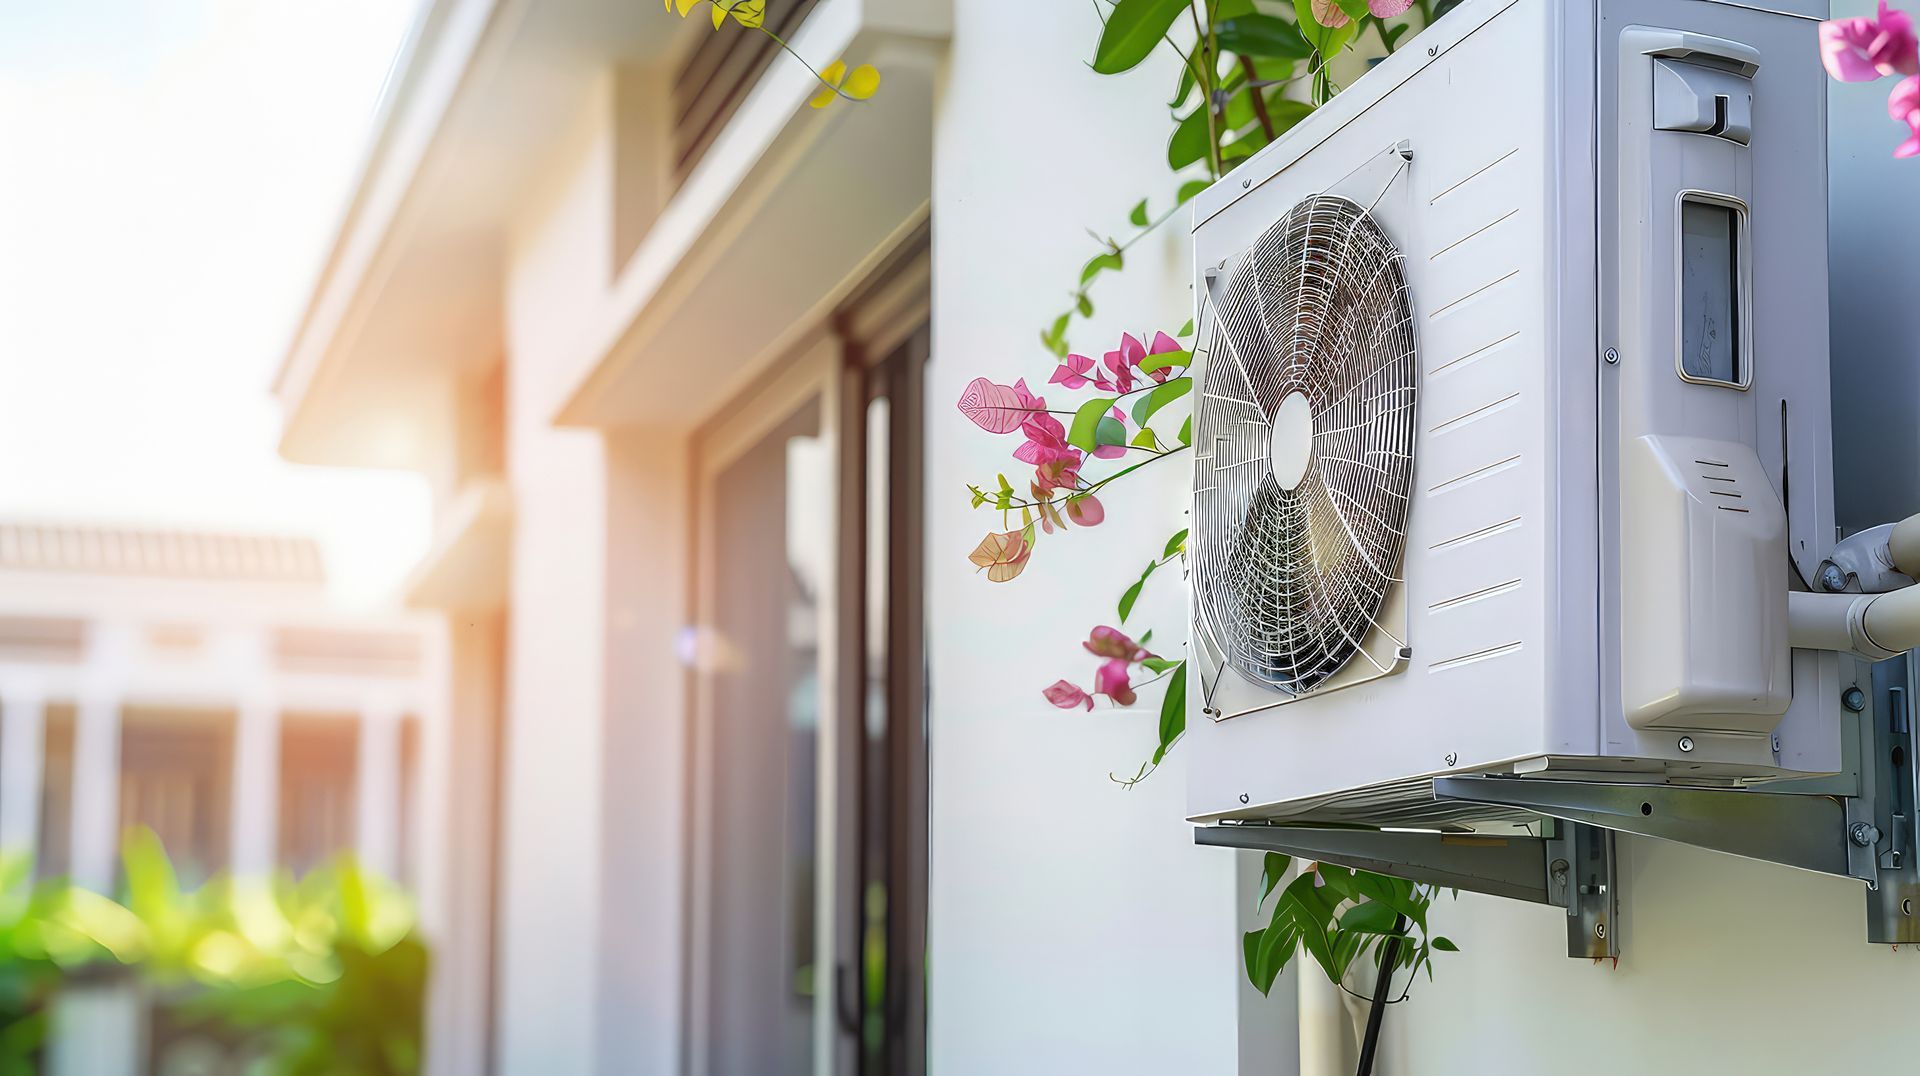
point(1290, 582)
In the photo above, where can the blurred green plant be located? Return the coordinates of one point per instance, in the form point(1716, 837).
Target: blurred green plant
point(324, 974)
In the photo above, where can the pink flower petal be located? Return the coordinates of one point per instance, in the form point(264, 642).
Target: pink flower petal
point(1085, 511)
point(1904, 105)
point(1388, 9)
point(1162, 344)
point(993, 408)
point(1327, 13)
point(1068, 697)
point(1111, 680)
point(1108, 642)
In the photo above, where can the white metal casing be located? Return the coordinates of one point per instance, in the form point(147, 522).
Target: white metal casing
point(1553, 625)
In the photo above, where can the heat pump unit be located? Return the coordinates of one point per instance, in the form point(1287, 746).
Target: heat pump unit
point(1512, 431)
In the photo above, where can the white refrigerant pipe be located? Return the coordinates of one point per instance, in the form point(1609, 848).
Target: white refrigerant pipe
point(1874, 626)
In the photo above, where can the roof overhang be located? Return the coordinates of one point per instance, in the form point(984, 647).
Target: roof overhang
point(410, 294)
point(784, 216)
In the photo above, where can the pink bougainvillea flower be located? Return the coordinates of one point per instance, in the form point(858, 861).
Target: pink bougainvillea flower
point(1388, 9)
point(1328, 13)
point(997, 408)
point(1106, 642)
point(1863, 49)
point(1122, 360)
point(1002, 556)
point(1077, 372)
point(1162, 345)
point(1904, 105)
point(1111, 680)
point(1068, 697)
point(1086, 511)
point(1046, 442)
point(1050, 518)
point(1058, 474)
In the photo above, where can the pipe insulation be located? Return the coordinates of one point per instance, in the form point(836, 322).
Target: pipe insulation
point(1903, 546)
point(1874, 626)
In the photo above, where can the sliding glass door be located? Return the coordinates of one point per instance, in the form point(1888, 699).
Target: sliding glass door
point(807, 904)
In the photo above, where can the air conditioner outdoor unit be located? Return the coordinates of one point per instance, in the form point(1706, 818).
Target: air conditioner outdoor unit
point(1512, 433)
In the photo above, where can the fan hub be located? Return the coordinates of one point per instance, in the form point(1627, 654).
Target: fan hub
point(1291, 447)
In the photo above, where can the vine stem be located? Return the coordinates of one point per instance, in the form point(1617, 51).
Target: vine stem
point(1204, 75)
point(727, 9)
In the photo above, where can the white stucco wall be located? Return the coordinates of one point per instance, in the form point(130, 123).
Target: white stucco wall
point(1074, 926)
point(549, 885)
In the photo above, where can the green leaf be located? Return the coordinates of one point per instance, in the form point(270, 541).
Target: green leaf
point(1262, 35)
point(1395, 893)
point(1165, 360)
point(1132, 31)
point(1445, 945)
point(1131, 596)
point(1272, 869)
point(1099, 264)
point(1110, 433)
point(1326, 40)
point(1356, 9)
point(1085, 431)
point(1187, 329)
point(1175, 544)
point(1370, 918)
point(1190, 188)
point(1186, 431)
point(1338, 880)
point(1189, 142)
point(1145, 439)
point(1138, 218)
point(1173, 710)
point(1157, 664)
point(1084, 305)
point(1186, 86)
point(1160, 397)
point(1250, 945)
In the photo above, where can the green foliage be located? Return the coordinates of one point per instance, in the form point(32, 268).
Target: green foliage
point(320, 975)
point(1338, 916)
point(1132, 32)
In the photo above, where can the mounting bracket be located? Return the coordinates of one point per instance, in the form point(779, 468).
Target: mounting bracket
point(1864, 824)
point(1570, 868)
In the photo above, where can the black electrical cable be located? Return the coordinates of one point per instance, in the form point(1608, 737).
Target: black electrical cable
point(1381, 988)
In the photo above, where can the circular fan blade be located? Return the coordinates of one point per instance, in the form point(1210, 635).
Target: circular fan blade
point(1312, 354)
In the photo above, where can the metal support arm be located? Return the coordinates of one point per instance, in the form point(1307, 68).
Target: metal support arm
point(1570, 869)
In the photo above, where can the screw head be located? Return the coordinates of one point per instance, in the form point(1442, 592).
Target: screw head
point(1863, 835)
point(1244, 797)
point(1906, 906)
point(1832, 579)
point(1613, 356)
point(1246, 184)
point(1776, 743)
point(1686, 743)
point(1854, 699)
point(1600, 930)
point(1433, 50)
point(1452, 758)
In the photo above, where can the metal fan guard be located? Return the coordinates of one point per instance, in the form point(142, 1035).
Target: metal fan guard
point(1290, 583)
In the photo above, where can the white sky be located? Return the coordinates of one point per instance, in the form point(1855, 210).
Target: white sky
point(171, 173)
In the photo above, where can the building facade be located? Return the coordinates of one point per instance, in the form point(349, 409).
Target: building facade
point(204, 686)
point(740, 737)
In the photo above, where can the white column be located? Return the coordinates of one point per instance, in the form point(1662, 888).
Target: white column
point(96, 793)
point(377, 828)
point(23, 720)
point(256, 789)
point(98, 1029)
